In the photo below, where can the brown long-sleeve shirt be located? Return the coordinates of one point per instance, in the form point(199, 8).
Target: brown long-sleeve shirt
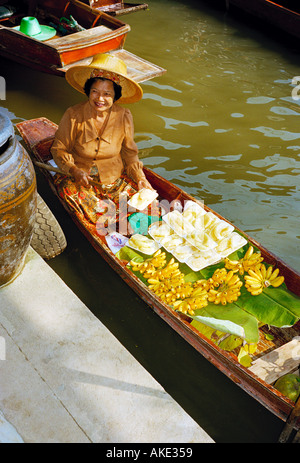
point(77, 142)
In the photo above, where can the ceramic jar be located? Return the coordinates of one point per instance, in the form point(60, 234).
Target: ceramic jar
point(18, 197)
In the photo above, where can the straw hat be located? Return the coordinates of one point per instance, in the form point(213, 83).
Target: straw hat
point(31, 27)
point(109, 67)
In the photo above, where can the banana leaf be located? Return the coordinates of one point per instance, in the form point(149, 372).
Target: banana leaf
point(229, 319)
point(127, 253)
point(226, 342)
point(274, 306)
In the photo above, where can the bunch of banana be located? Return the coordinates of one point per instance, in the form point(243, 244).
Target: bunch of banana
point(159, 259)
point(249, 261)
point(140, 266)
point(184, 290)
point(163, 289)
point(150, 266)
point(217, 279)
point(197, 300)
point(261, 277)
point(224, 287)
point(170, 289)
point(171, 270)
point(202, 284)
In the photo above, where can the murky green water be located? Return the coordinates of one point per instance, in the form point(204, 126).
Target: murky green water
point(223, 125)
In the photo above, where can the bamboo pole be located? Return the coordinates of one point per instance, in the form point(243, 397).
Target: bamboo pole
point(58, 171)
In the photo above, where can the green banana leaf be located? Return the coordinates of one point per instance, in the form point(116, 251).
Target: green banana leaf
point(226, 342)
point(126, 253)
point(274, 306)
point(229, 319)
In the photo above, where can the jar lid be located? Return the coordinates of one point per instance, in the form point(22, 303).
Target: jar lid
point(6, 129)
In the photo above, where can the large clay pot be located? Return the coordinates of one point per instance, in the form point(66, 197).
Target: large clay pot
point(18, 197)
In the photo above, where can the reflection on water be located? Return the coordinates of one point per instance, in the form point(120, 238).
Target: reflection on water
point(221, 124)
point(224, 124)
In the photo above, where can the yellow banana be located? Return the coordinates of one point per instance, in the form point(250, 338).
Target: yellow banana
point(261, 277)
point(278, 281)
point(153, 281)
point(157, 253)
point(249, 252)
point(274, 274)
point(269, 272)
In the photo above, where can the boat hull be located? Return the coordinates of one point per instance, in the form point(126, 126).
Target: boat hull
point(278, 15)
point(102, 33)
point(38, 135)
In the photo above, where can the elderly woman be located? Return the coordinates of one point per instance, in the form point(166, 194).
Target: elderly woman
point(95, 138)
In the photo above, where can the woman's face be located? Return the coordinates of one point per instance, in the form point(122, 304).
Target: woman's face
point(101, 96)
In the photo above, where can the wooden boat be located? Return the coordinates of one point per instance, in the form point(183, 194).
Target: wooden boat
point(275, 356)
point(102, 33)
point(283, 14)
point(115, 8)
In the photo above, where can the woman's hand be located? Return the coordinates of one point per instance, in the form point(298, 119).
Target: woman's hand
point(81, 177)
point(144, 184)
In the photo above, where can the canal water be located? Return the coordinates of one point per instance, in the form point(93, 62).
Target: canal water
point(223, 124)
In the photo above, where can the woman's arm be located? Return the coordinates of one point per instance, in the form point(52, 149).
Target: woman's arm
point(62, 146)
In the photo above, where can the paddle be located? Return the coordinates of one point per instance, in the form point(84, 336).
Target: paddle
point(55, 169)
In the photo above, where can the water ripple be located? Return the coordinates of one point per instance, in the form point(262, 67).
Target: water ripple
point(282, 111)
point(271, 132)
point(260, 100)
point(149, 140)
point(169, 123)
point(161, 100)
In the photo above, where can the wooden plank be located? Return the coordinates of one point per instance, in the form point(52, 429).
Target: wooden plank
point(87, 37)
point(138, 68)
point(292, 424)
point(280, 361)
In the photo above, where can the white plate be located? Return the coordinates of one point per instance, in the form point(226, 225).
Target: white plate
point(142, 199)
point(199, 261)
point(230, 244)
point(183, 251)
point(160, 230)
point(180, 225)
point(143, 244)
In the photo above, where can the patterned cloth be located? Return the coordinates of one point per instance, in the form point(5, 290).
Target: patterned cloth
point(101, 209)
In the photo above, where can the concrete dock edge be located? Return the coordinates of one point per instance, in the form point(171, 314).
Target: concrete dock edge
point(64, 378)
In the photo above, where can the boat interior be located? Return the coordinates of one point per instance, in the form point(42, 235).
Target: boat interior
point(278, 349)
point(59, 15)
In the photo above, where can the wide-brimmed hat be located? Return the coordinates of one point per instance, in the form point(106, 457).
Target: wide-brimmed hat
point(110, 67)
point(31, 27)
